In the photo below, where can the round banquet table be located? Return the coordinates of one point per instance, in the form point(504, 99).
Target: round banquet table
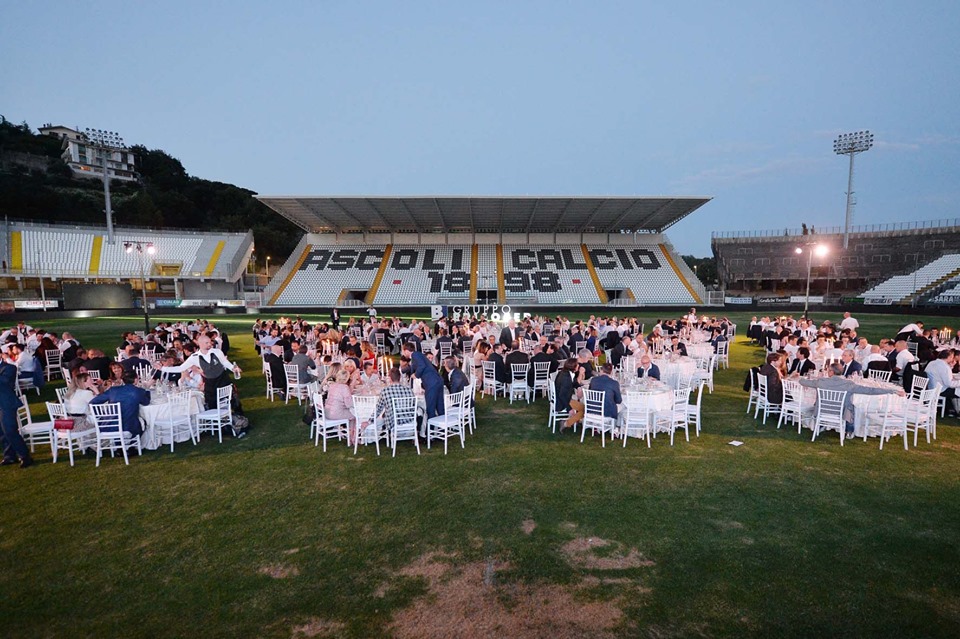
point(149, 414)
point(700, 351)
point(672, 371)
point(861, 404)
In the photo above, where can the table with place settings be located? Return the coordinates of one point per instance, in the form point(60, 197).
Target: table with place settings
point(674, 369)
point(653, 396)
point(860, 404)
point(700, 351)
point(149, 415)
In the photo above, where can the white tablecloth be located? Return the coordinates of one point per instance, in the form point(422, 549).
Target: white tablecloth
point(671, 372)
point(702, 351)
point(862, 404)
point(149, 414)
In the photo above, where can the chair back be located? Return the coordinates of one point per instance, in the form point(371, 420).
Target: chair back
point(883, 376)
point(579, 346)
point(762, 385)
point(404, 417)
point(541, 372)
point(293, 374)
point(830, 404)
point(681, 397)
point(54, 358)
point(519, 373)
point(593, 403)
point(144, 372)
point(917, 385)
point(94, 375)
point(56, 411)
point(446, 349)
point(454, 402)
point(489, 373)
point(792, 392)
point(364, 407)
point(23, 413)
point(106, 417)
point(224, 395)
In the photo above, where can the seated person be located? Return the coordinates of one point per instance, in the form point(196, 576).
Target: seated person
point(130, 397)
point(648, 368)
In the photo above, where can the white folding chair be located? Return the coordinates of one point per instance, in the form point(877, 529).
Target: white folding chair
point(404, 426)
point(54, 362)
point(763, 399)
point(173, 420)
point(62, 394)
point(792, 408)
point(754, 397)
point(368, 431)
point(518, 382)
point(451, 423)
point(638, 420)
point(883, 376)
point(883, 418)
point(72, 439)
point(446, 350)
point(34, 433)
point(669, 421)
point(921, 413)
point(213, 420)
point(295, 387)
point(268, 377)
point(723, 354)
point(109, 431)
point(917, 385)
point(541, 378)
point(704, 371)
point(693, 410)
point(830, 413)
point(593, 419)
point(490, 383)
point(555, 415)
point(326, 428)
point(25, 384)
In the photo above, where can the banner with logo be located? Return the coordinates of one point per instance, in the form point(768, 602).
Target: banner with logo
point(33, 305)
point(738, 300)
point(800, 299)
point(773, 300)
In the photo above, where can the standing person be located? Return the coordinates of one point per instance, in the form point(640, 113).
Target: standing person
point(214, 366)
point(335, 319)
point(13, 445)
point(432, 382)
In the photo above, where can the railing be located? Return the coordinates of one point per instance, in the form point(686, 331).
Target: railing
point(838, 230)
point(132, 274)
point(117, 230)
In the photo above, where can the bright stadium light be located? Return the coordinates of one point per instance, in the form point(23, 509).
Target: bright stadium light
point(851, 144)
point(106, 142)
point(821, 250)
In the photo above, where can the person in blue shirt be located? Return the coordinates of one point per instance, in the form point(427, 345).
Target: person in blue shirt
point(611, 388)
point(130, 397)
point(423, 370)
point(10, 438)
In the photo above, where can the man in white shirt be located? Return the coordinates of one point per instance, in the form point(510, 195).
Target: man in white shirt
point(862, 351)
point(874, 356)
point(915, 328)
point(904, 357)
point(214, 365)
point(940, 372)
point(849, 322)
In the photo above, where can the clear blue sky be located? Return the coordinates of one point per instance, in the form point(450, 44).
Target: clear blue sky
point(736, 100)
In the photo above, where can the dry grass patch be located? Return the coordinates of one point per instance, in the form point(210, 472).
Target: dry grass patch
point(594, 553)
point(279, 571)
point(528, 526)
point(464, 601)
point(316, 627)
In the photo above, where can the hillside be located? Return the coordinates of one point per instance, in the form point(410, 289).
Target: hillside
point(36, 185)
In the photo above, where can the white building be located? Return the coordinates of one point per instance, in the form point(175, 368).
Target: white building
point(86, 160)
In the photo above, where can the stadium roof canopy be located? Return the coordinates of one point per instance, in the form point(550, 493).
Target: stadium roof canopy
point(446, 214)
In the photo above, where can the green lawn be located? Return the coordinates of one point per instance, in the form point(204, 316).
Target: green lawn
point(268, 536)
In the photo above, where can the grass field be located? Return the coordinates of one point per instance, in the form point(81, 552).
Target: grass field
point(523, 533)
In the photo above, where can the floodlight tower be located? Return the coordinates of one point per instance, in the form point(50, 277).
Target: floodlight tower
point(851, 144)
point(106, 142)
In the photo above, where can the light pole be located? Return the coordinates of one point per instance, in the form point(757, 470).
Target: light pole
point(851, 144)
point(821, 250)
point(43, 292)
point(106, 142)
point(266, 271)
point(140, 247)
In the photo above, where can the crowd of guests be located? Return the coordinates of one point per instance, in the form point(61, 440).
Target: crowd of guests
point(799, 347)
point(572, 348)
point(192, 355)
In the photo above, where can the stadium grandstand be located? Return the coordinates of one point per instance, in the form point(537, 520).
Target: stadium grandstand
point(538, 251)
point(181, 264)
point(909, 263)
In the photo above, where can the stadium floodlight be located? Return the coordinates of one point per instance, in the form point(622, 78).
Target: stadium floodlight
point(821, 251)
point(141, 248)
point(106, 142)
point(850, 144)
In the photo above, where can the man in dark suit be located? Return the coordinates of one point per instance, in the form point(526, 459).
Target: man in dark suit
point(456, 380)
point(802, 364)
point(849, 365)
point(130, 398)
point(620, 351)
point(335, 319)
point(676, 346)
point(648, 368)
point(541, 357)
point(509, 334)
point(134, 360)
point(423, 369)
point(516, 356)
point(500, 368)
point(611, 388)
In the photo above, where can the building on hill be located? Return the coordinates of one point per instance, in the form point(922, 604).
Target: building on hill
point(86, 160)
